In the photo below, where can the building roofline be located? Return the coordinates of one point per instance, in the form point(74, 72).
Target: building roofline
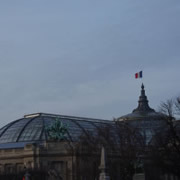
point(64, 116)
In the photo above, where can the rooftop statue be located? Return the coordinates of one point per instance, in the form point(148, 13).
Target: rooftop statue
point(57, 130)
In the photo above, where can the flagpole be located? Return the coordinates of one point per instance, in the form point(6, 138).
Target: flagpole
point(142, 77)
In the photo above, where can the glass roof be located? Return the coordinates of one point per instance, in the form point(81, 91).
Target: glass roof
point(33, 127)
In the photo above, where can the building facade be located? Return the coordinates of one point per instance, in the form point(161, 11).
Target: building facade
point(27, 143)
point(48, 142)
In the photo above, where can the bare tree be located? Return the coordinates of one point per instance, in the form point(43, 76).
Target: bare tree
point(165, 145)
point(123, 145)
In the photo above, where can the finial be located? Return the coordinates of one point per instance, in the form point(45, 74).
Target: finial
point(142, 86)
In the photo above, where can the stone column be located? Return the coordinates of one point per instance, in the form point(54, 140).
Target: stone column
point(103, 174)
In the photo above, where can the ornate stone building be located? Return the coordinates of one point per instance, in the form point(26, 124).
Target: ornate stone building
point(26, 143)
point(47, 141)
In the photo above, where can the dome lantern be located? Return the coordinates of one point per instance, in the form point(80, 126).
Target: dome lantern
point(143, 105)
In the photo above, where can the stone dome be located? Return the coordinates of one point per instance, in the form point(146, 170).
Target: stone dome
point(33, 128)
point(143, 111)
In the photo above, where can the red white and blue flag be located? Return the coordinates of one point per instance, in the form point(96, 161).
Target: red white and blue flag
point(139, 75)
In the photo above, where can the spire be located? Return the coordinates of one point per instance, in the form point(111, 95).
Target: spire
point(103, 174)
point(143, 105)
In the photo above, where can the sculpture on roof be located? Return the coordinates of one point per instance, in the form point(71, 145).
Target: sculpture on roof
point(57, 130)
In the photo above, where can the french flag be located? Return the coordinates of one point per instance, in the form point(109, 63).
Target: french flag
point(138, 75)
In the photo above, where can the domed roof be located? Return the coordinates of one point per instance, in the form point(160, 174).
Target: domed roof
point(33, 128)
point(143, 111)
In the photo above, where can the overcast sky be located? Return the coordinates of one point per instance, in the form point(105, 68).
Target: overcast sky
point(79, 57)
